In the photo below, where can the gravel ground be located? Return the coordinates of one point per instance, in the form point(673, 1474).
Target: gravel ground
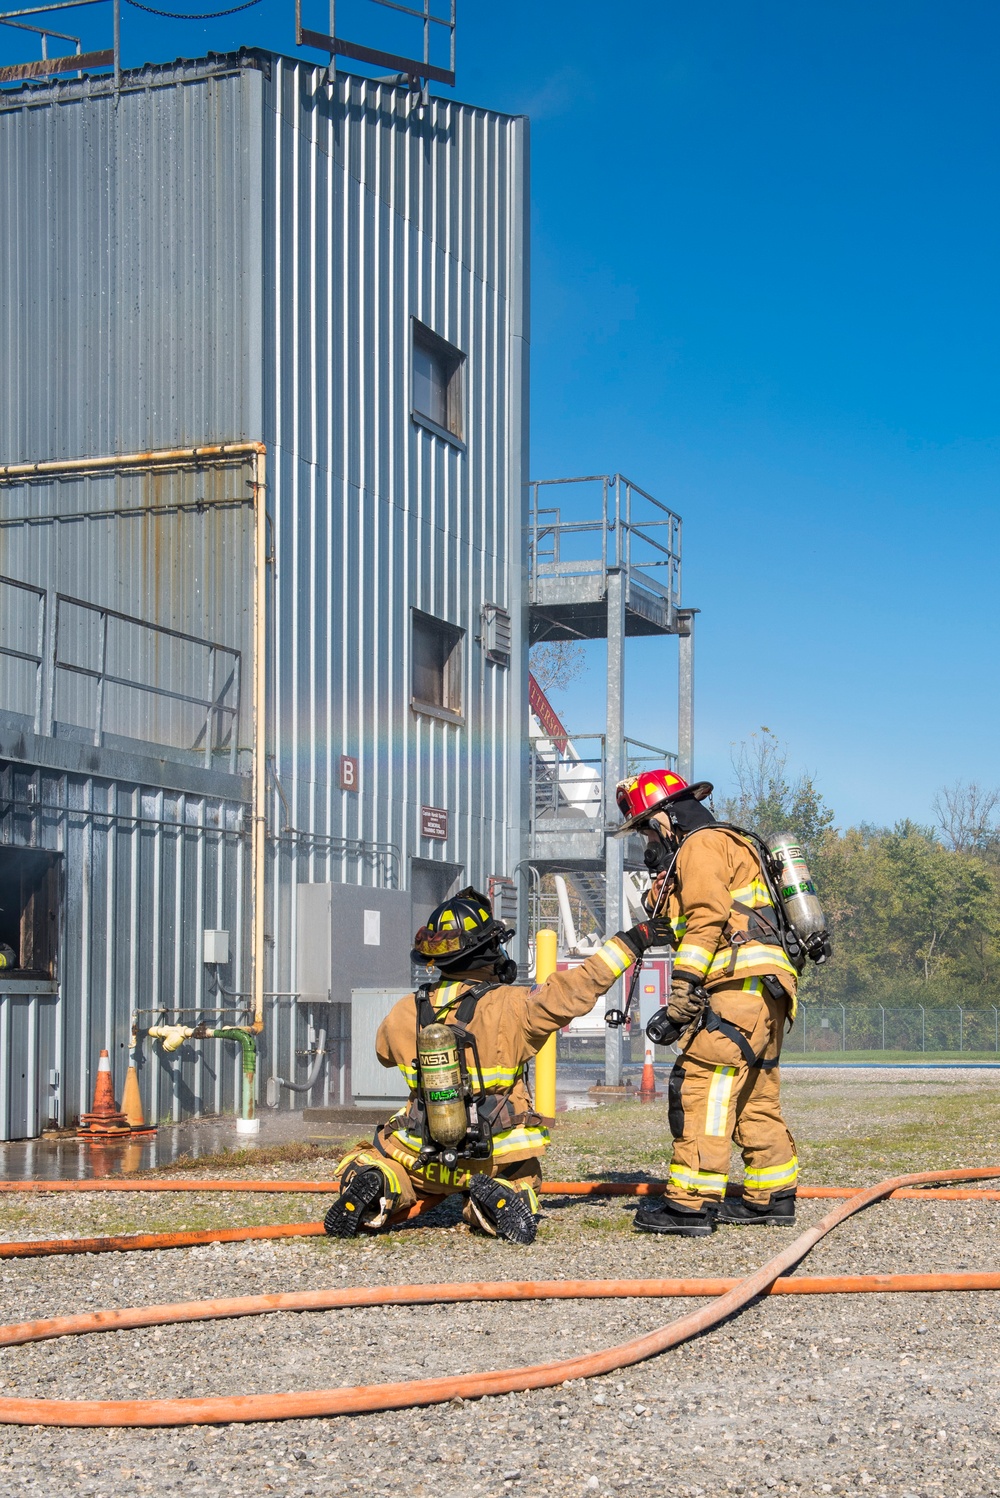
point(813, 1395)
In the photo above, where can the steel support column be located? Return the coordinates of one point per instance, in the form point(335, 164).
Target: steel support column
point(614, 848)
point(685, 693)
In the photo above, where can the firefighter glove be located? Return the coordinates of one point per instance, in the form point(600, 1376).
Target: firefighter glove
point(686, 1002)
point(658, 933)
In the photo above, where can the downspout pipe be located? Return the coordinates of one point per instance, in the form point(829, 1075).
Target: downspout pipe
point(247, 1122)
point(259, 766)
point(312, 1076)
point(172, 1037)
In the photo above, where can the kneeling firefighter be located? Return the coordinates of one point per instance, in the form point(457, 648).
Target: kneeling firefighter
point(730, 901)
point(462, 1043)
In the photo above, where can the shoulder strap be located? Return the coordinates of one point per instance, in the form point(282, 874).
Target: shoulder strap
point(466, 1007)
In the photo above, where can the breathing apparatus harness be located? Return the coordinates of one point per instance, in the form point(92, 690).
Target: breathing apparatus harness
point(455, 1117)
point(661, 856)
point(798, 946)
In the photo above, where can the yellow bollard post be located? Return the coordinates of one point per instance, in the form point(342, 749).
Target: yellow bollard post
point(545, 1061)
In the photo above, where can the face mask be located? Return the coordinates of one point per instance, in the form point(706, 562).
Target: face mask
point(661, 845)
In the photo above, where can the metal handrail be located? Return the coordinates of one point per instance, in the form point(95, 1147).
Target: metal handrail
point(617, 520)
point(214, 706)
point(37, 660)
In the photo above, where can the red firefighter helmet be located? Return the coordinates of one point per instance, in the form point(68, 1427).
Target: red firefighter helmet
point(641, 795)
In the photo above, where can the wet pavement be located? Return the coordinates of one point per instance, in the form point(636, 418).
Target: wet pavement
point(64, 1157)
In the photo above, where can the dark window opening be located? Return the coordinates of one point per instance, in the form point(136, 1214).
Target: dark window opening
point(438, 380)
point(431, 883)
point(436, 673)
point(29, 911)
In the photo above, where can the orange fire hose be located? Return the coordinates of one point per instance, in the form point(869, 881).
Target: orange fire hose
point(194, 1238)
point(547, 1188)
point(324, 1402)
point(21, 1332)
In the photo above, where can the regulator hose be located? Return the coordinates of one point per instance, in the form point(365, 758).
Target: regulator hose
point(364, 1398)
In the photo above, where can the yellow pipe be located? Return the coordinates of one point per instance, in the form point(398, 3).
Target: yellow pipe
point(169, 456)
point(545, 1061)
point(259, 829)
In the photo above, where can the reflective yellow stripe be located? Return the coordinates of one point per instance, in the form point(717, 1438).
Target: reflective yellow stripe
point(503, 1076)
point(773, 1176)
point(412, 1141)
point(753, 894)
point(750, 954)
point(696, 1180)
point(720, 1090)
point(680, 925)
point(409, 1073)
point(504, 1143)
point(520, 1138)
point(528, 1192)
point(614, 958)
point(693, 959)
point(390, 1175)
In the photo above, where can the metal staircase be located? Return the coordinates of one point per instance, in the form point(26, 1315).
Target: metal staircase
point(603, 563)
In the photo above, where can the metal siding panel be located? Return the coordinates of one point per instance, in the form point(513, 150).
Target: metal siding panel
point(355, 212)
point(137, 898)
point(134, 246)
point(168, 549)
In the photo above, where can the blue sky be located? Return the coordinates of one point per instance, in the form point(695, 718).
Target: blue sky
point(765, 248)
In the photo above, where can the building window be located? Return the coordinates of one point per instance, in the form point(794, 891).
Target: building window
point(30, 896)
point(438, 380)
point(436, 673)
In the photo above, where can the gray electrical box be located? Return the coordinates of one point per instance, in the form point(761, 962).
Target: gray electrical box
point(350, 937)
point(216, 947)
point(372, 1084)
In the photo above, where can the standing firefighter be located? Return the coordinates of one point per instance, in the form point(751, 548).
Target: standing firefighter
point(732, 993)
point(462, 1044)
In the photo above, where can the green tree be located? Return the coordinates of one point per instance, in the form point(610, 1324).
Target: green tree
point(766, 801)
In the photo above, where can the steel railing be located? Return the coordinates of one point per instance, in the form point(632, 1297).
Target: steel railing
point(208, 674)
point(634, 532)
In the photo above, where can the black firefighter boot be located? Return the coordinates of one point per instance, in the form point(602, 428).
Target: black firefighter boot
point(671, 1217)
point(504, 1209)
point(778, 1212)
point(359, 1198)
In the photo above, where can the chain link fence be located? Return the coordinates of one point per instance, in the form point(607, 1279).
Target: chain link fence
point(822, 1029)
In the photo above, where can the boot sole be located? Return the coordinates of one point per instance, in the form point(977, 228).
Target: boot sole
point(510, 1213)
point(346, 1217)
point(702, 1230)
point(754, 1222)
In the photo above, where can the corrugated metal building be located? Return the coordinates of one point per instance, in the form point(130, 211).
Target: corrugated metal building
point(263, 445)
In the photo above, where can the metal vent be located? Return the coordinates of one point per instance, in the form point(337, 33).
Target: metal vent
point(497, 634)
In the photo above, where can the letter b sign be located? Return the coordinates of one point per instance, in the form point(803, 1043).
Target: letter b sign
point(348, 773)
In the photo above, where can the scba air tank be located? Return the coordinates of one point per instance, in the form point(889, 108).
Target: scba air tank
point(796, 888)
point(441, 1084)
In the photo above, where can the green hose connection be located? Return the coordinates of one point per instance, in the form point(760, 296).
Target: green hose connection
point(249, 1043)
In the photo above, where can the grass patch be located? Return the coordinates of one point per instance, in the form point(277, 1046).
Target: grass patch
point(907, 1058)
point(257, 1157)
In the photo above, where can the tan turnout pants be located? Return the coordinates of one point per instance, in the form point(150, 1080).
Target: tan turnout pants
point(406, 1185)
point(716, 1099)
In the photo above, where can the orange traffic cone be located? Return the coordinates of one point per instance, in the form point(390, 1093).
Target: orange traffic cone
point(132, 1104)
point(647, 1087)
point(104, 1118)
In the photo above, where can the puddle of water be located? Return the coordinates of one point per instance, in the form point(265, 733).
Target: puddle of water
point(66, 1158)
